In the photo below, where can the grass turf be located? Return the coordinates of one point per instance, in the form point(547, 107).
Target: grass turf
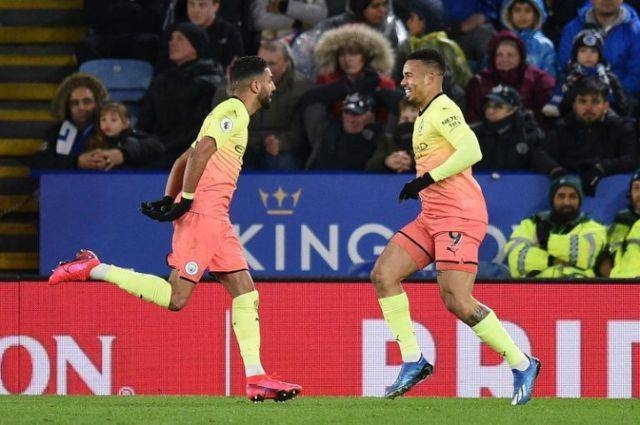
point(312, 410)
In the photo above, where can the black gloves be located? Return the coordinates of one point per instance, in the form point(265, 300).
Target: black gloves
point(543, 228)
point(165, 209)
point(159, 206)
point(411, 189)
point(590, 179)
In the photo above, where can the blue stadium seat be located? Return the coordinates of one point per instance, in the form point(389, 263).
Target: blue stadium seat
point(126, 80)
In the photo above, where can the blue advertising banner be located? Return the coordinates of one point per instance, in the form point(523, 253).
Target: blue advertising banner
point(302, 225)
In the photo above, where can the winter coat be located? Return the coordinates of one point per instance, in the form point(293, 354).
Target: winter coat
point(140, 150)
point(175, 105)
point(621, 45)
point(376, 48)
point(454, 57)
point(624, 244)
point(572, 249)
point(303, 47)
point(534, 85)
point(540, 50)
point(342, 151)
point(578, 147)
point(507, 144)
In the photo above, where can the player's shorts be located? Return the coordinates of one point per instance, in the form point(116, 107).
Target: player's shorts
point(451, 242)
point(202, 242)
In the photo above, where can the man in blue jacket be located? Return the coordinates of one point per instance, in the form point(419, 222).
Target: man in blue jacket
point(470, 24)
point(620, 26)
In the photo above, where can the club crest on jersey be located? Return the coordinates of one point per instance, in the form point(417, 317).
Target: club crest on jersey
point(226, 124)
point(191, 268)
point(456, 239)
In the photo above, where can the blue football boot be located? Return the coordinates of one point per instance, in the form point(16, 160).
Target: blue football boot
point(410, 374)
point(523, 381)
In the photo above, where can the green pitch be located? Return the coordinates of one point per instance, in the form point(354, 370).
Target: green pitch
point(312, 410)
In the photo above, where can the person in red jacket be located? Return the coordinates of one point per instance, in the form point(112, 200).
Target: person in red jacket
point(507, 66)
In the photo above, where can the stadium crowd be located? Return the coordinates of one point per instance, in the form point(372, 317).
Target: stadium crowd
point(548, 86)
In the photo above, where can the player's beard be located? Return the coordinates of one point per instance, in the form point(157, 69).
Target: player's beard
point(265, 101)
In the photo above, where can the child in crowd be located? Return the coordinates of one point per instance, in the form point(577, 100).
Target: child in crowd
point(120, 144)
point(426, 31)
point(587, 60)
point(525, 18)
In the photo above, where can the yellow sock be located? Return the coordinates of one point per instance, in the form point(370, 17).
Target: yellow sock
point(244, 315)
point(491, 331)
point(146, 286)
point(396, 313)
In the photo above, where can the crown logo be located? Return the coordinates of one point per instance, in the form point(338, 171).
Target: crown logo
point(282, 206)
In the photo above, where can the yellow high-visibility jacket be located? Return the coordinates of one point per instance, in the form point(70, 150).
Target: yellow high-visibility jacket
point(624, 244)
point(571, 251)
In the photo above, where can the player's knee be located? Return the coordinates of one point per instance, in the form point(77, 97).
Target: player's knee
point(454, 304)
point(378, 275)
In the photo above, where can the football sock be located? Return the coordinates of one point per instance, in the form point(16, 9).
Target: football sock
point(146, 286)
point(491, 331)
point(244, 316)
point(395, 310)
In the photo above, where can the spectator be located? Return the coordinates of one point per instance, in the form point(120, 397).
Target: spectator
point(621, 28)
point(587, 60)
point(287, 18)
point(592, 140)
point(508, 67)
point(347, 143)
point(425, 26)
point(469, 23)
point(224, 39)
point(562, 242)
point(396, 154)
point(178, 100)
point(525, 18)
point(349, 59)
point(507, 135)
point(275, 133)
point(376, 14)
point(622, 259)
point(120, 144)
point(121, 29)
point(236, 12)
point(68, 143)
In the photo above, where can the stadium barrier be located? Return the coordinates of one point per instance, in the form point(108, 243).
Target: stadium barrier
point(290, 225)
point(91, 338)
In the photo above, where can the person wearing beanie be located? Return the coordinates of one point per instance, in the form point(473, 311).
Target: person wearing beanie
point(224, 41)
point(620, 29)
point(622, 258)
point(179, 99)
point(561, 242)
point(592, 140)
point(587, 60)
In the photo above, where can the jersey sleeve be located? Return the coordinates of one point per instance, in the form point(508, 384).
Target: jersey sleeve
point(451, 125)
point(222, 123)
